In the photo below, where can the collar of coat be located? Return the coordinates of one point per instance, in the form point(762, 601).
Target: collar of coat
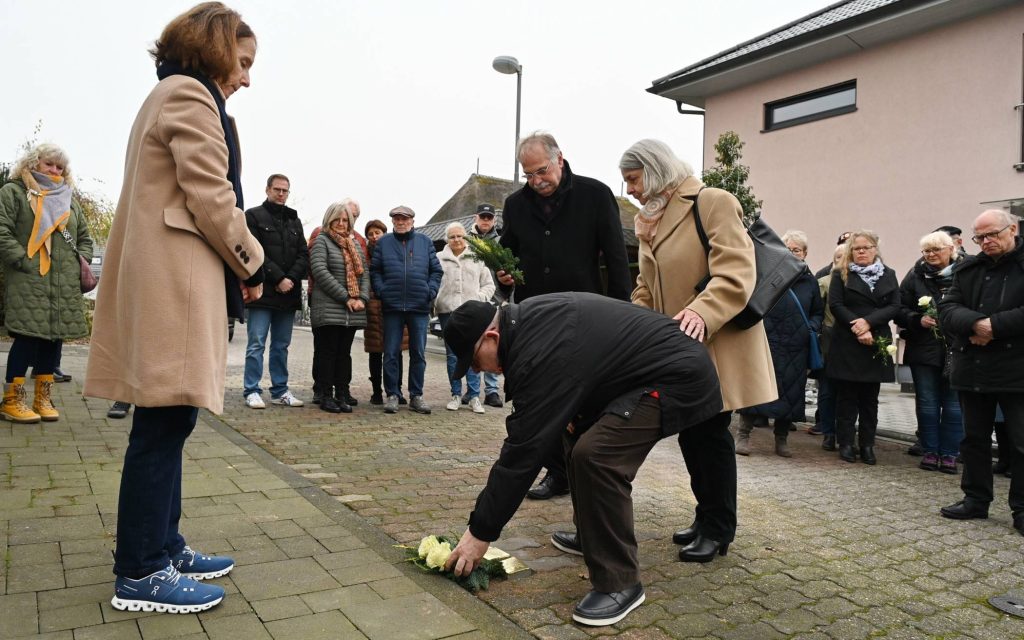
point(678, 209)
point(983, 260)
point(281, 210)
point(556, 198)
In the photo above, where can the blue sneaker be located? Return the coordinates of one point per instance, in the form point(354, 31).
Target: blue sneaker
point(195, 565)
point(165, 591)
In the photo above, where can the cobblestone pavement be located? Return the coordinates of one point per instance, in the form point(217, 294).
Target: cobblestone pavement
point(307, 567)
point(825, 549)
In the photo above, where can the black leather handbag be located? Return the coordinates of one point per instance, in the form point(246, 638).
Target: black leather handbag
point(777, 269)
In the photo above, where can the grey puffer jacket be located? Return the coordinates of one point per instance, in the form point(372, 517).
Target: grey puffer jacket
point(331, 293)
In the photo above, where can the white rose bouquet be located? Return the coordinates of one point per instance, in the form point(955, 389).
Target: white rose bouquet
point(432, 553)
point(928, 308)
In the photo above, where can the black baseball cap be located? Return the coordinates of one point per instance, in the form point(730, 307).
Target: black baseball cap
point(463, 331)
point(951, 230)
point(485, 210)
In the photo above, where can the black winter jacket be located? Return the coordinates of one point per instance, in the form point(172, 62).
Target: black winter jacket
point(847, 358)
point(572, 357)
point(279, 230)
point(922, 345)
point(986, 288)
point(563, 253)
point(789, 340)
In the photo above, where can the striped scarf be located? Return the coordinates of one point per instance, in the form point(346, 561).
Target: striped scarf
point(49, 197)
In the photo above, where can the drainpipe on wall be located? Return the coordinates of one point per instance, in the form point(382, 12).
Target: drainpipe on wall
point(704, 125)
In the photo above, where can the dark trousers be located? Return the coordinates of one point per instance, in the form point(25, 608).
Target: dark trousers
point(149, 505)
point(856, 402)
point(332, 357)
point(825, 417)
point(28, 351)
point(602, 463)
point(979, 410)
point(710, 456)
point(377, 373)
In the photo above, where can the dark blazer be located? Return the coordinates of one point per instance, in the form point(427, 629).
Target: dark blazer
point(986, 288)
point(847, 358)
point(562, 252)
point(572, 357)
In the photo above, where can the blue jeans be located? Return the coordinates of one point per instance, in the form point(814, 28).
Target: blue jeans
point(940, 425)
point(490, 382)
point(149, 505)
point(393, 322)
point(826, 406)
point(472, 377)
point(279, 325)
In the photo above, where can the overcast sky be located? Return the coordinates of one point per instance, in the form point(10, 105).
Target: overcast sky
point(389, 102)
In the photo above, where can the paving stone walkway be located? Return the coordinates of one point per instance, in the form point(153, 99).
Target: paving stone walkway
point(310, 504)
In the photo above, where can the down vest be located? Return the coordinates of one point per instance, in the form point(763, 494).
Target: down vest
point(405, 272)
point(50, 306)
point(330, 295)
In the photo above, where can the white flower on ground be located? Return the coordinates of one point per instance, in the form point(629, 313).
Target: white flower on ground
point(427, 545)
point(924, 301)
point(439, 555)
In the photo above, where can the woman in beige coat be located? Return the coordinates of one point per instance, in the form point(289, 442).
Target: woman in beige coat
point(178, 250)
point(704, 291)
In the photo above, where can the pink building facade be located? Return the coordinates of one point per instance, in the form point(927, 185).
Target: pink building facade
point(901, 118)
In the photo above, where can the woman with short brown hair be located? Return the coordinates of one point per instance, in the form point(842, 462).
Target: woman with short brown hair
point(178, 250)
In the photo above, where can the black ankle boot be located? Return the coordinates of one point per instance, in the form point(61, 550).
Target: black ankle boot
point(703, 550)
point(867, 455)
point(828, 442)
point(846, 453)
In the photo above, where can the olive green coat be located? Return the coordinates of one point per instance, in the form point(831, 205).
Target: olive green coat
point(49, 306)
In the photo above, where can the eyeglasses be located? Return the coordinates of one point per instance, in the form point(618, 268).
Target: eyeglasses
point(926, 252)
point(540, 173)
point(991, 235)
point(456, 237)
point(278, 190)
point(796, 251)
point(485, 216)
point(862, 249)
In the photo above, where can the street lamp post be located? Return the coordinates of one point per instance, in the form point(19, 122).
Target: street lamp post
point(509, 65)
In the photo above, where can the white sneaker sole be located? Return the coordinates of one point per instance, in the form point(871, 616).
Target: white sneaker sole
point(297, 403)
point(575, 552)
point(603, 622)
point(144, 605)
point(256, 406)
point(208, 576)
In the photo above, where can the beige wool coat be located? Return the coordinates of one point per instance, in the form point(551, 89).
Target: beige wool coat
point(160, 328)
point(676, 262)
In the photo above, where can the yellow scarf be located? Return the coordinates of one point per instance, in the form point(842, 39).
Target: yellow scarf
point(49, 197)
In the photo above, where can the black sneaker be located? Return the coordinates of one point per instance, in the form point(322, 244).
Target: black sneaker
point(493, 400)
point(377, 399)
point(598, 609)
point(119, 410)
point(60, 376)
point(466, 397)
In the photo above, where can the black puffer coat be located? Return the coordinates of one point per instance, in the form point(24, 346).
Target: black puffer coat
point(994, 289)
point(279, 231)
point(847, 358)
point(789, 339)
point(923, 347)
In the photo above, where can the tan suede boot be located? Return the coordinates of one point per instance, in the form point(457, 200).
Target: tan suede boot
point(743, 431)
point(14, 407)
point(42, 403)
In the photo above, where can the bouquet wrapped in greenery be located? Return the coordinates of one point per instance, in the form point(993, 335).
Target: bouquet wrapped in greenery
point(495, 257)
point(432, 553)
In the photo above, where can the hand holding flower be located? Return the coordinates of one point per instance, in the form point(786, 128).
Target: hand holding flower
point(466, 555)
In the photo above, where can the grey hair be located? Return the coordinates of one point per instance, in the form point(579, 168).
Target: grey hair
point(937, 239)
point(453, 225)
point(44, 151)
point(1004, 217)
point(662, 169)
point(335, 211)
point(544, 139)
point(347, 204)
point(796, 236)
